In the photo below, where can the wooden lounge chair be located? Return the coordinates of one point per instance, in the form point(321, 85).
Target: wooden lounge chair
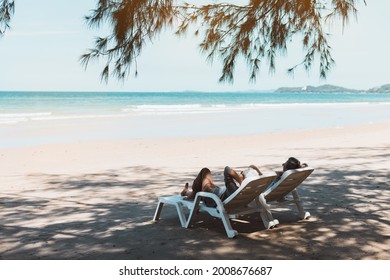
point(232, 207)
point(278, 194)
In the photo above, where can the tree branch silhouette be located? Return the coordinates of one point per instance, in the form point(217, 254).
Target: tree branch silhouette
point(7, 8)
point(259, 31)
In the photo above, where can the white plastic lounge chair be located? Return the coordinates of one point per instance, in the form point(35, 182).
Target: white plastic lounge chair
point(275, 195)
point(232, 207)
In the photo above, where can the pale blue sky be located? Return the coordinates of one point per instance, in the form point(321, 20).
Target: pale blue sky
point(42, 50)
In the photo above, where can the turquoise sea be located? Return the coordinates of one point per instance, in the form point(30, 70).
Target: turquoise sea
point(34, 106)
point(103, 115)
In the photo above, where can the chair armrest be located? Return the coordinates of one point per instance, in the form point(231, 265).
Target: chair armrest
point(212, 196)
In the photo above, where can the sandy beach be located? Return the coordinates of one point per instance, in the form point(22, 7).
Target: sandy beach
point(105, 106)
point(96, 199)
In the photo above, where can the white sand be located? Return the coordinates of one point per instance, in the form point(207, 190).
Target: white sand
point(96, 199)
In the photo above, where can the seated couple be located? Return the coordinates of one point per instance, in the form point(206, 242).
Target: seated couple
point(233, 179)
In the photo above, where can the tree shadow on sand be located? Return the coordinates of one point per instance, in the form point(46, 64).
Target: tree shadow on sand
point(108, 215)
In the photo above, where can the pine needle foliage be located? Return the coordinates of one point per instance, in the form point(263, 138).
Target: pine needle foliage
point(258, 31)
point(7, 8)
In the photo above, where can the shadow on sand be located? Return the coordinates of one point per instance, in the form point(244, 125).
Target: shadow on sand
point(108, 215)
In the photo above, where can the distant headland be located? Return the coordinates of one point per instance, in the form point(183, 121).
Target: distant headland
point(333, 88)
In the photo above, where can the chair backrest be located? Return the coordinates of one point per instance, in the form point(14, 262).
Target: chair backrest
point(290, 180)
point(250, 189)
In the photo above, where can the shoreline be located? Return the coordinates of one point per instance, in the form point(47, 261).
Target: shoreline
point(157, 125)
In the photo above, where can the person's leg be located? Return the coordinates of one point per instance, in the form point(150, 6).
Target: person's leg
point(207, 182)
point(229, 176)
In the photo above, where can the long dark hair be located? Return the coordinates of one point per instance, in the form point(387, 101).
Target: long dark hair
point(292, 163)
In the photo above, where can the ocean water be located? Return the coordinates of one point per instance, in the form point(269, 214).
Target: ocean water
point(26, 116)
point(38, 106)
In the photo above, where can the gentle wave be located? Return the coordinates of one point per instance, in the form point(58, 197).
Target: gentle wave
point(184, 109)
point(200, 108)
point(180, 109)
point(10, 118)
point(24, 115)
point(72, 117)
point(48, 116)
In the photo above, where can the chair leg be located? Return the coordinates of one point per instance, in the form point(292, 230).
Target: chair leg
point(181, 214)
point(193, 211)
point(231, 233)
point(179, 208)
point(302, 213)
point(157, 213)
